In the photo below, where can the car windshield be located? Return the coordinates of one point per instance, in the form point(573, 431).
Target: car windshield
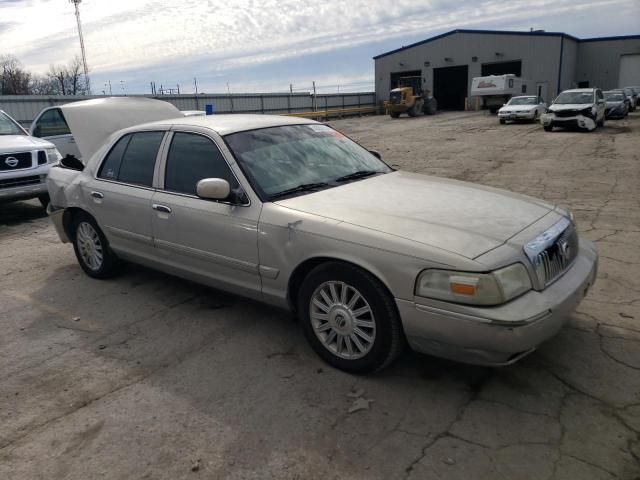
point(8, 126)
point(575, 97)
point(613, 97)
point(299, 158)
point(523, 101)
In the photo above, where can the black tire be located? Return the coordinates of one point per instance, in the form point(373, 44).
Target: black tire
point(430, 106)
point(44, 200)
point(601, 122)
point(548, 128)
point(388, 340)
point(502, 121)
point(109, 264)
point(394, 114)
point(413, 111)
point(535, 117)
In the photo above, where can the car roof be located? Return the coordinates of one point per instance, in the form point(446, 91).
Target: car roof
point(526, 96)
point(227, 124)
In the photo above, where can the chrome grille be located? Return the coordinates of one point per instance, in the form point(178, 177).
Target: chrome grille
point(20, 181)
point(553, 252)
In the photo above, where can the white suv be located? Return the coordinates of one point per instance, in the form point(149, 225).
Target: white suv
point(581, 107)
point(24, 162)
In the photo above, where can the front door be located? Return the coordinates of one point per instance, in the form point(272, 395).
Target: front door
point(211, 241)
point(120, 195)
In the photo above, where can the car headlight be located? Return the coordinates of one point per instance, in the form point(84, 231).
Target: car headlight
point(493, 288)
point(53, 155)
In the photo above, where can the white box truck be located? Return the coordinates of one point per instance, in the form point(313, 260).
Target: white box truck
point(496, 90)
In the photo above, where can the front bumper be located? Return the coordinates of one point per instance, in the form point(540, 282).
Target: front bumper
point(496, 336)
point(23, 184)
point(580, 121)
point(516, 115)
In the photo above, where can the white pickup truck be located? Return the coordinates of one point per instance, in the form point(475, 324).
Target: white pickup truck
point(496, 90)
point(24, 163)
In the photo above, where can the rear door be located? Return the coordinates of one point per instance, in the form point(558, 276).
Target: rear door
point(120, 194)
point(52, 126)
point(212, 240)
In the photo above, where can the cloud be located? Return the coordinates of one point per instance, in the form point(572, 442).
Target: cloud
point(129, 38)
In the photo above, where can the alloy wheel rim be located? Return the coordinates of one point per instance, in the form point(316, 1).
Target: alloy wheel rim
point(342, 320)
point(90, 246)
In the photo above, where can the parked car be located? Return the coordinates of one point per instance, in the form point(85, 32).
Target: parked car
point(633, 98)
point(582, 107)
point(627, 99)
point(616, 104)
point(636, 89)
point(24, 162)
point(522, 108)
point(51, 125)
point(293, 213)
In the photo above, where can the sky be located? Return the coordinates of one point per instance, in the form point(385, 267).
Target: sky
point(268, 45)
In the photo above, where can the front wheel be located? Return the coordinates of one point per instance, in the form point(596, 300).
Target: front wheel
point(92, 249)
point(601, 122)
point(548, 128)
point(349, 318)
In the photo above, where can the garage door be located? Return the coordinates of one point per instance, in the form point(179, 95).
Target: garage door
point(629, 71)
point(450, 86)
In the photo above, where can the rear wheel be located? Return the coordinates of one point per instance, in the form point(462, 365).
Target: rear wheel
point(349, 318)
point(502, 121)
point(394, 114)
point(548, 128)
point(92, 249)
point(413, 111)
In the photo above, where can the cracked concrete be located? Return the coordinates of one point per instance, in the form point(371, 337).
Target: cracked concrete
point(146, 375)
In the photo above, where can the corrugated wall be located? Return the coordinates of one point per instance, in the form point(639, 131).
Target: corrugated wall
point(24, 108)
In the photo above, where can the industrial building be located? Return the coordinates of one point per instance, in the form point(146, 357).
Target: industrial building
point(552, 61)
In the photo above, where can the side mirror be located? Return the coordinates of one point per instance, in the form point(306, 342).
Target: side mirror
point(72, 163)
point(376, 154)
point(213, 189)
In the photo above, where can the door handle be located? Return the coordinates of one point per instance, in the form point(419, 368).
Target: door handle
point(161, 208)
point(95, 194)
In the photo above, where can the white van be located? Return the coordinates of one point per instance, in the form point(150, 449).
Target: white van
point(496, 90)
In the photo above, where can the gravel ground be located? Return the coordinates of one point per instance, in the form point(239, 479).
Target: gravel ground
point(149, 376)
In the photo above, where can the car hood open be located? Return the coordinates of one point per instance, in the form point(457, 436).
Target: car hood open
point(459, 217)
point(21, 143)
point(92, 122)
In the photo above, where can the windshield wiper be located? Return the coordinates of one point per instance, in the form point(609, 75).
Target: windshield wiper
point(305, 187)
point(358, 174)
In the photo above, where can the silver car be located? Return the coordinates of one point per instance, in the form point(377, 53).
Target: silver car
point(293, 213)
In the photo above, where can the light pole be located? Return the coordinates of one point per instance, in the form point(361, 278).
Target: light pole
point(76, 4)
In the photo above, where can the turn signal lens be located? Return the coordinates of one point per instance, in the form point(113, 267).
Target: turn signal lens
point(493, 288)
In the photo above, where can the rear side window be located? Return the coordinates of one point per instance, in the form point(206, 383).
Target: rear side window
point(191, 158)
point(51, 123)
point(133, 159)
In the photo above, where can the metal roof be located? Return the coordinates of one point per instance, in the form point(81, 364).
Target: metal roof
point(535, 33)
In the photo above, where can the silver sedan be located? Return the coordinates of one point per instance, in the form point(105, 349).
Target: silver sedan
point(293, 213)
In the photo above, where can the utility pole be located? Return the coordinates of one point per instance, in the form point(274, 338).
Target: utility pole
point(315, 99)
point(195, 84)
point(76, 4)
point(291, 88)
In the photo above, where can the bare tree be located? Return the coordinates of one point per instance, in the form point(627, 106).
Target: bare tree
point(14, 80)
point(69, 79)
point(43, 85)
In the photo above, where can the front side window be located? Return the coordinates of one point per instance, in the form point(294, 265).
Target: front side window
point(132, 159)
point(278, 160)
point(51, 123)
point(191, 158)
point(9, 127)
